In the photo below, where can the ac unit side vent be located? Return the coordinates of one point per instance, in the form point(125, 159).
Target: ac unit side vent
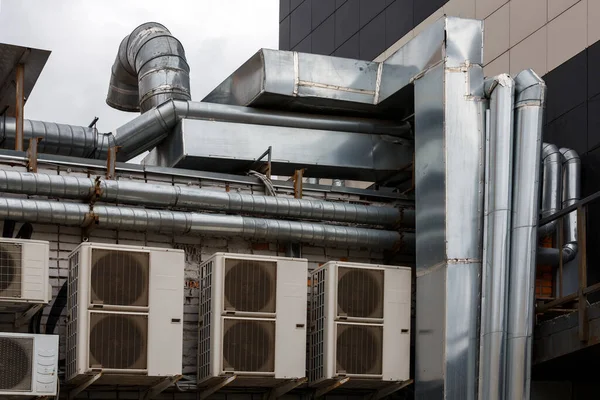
point(118, 341)
point(250, 285)
point(73, 310)
point(317, 335)
point(10, 270)
point(360, 292)
point(359, 349)
point(248, 345)
point(120, 278)
point(204, 350)
point(16, 358)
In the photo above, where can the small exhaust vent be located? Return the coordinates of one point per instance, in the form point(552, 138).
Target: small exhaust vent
point(249, 345)
point(118, 341)
point(119, 278)
point(10, 270)
point(359, 349)
point(360, 293)
point(250, 285)
point(16, 357)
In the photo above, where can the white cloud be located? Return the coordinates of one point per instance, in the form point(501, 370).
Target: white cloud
point(84, 36)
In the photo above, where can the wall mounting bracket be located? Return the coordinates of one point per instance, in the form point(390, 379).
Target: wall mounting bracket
point(216, 387)
point(92, 378)
point(160, 387)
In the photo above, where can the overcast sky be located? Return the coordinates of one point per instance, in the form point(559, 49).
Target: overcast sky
point(84, 36)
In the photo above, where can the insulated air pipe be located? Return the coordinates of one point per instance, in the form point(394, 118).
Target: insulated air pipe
point(190, 198)
point(187, 223)
point(150, 68)
point(496, 239)
point(530, 100)
point(150, 128)
point(552, 161)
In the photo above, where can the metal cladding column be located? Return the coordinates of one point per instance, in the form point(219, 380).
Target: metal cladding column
point(449, 172)
point(530, 98)
point(496, 237)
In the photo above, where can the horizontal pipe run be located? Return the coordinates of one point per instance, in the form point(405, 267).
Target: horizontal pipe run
point(190, 198)
point(187, 223)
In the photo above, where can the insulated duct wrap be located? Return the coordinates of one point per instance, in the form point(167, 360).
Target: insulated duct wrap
point(182, 223)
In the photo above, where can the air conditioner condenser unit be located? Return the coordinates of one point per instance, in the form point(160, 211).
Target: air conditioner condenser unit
point(24, 273)
point(28, 365)
point(125, 318)
point(252, 320)
point(359, 324)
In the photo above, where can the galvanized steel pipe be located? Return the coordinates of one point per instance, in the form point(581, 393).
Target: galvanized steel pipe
point(552, 161)
point(187, 223)
point(496, 239)
point(191, 198)
point(530, 100)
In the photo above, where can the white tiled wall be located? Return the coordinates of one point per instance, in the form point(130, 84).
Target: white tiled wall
point(519, 34)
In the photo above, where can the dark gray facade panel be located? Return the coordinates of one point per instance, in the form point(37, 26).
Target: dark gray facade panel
point(284, 33)
point(594, 70)
point(350, 49)
point(567, 86)
point(346, 21)
point(304, 46)
point(321, 10)
point(398, 21)
point(569, 130)
point(369, 9)
point(322, 37)
point(295, 4)
point(423, 9)
point(300, 26)
point(372, 38)
point(284, 9)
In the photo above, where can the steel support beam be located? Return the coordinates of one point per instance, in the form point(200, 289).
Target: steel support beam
point(19, 105)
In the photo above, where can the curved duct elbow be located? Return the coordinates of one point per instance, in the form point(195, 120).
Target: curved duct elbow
point(150, 69)
point(552, 161)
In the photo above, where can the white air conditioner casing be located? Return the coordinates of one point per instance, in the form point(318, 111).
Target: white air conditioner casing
point(28, 365)
point(24, 274)
point(125, 318)
point(360, 323)
point(252, 320)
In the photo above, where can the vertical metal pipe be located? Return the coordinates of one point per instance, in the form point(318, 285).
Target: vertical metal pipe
point(530, 101)
point(19, 105)
point(552, 161)
point(496, 239)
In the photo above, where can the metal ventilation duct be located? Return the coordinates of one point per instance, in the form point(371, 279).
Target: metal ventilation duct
point(552, 175)
point(150, 69)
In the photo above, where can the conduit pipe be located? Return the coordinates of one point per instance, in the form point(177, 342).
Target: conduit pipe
point(186, 223)
point(190, 198)
point(552, 161)
point(496, 239)
point(150, 128)
point(530, 100)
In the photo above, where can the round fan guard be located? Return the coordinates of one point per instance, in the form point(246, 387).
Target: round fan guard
point(7, 268)
point(112, 277)
point(14, 364)
point(249, 286)
point(359, 293)
point(358, 350)
point(111, 348)
point(247, 346)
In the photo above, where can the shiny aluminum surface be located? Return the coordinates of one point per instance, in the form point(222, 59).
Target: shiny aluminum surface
point(552, 186)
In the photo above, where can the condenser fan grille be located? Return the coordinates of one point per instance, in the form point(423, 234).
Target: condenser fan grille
point(248, 345)
point(360, 292)
point(250, 285)
point(359, 349)
point(118, 341)
point(16, 357)
point(120, 278)
point(10, 270)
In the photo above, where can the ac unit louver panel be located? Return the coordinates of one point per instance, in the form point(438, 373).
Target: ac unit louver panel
point(359, 349)
point(250, 285)
point(120, 278)
point(10, 270)
point(248, 345)
point(28, 365)
point(360, 293)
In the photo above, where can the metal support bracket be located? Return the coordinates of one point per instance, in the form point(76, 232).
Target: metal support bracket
point(324, 390)
point(32, 154)
point(92, 378)
point(24, 317)
point(284, 388)
point(298, 177)
point(111, 162)
point(160, 387)
point(388, 390)
point(216, 387)
point(264, 168)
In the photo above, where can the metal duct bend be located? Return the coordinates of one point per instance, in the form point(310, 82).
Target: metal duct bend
point(150, 69)
point(191, 198)
point(552, 161)
point(184, 223)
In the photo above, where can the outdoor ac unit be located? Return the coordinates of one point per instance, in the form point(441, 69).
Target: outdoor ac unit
point(24, 276)
point(252, 320)
point(28, 365)
point(360, 323)
point(125, 308)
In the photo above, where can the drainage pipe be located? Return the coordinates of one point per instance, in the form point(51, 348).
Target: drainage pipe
point(191, 198)
point(186, 223)
point(530, 100)
point(496, 241)
point(552, 161)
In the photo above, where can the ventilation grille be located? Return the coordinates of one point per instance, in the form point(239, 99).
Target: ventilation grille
point(359, 349)
point(317, 335)
point(10, 270)
point(118, 341)
point(205, 322)
point(250, 285)
point(360, 293)
point(119, 278)
point(72, 308)
point(16, 358)
point(248, 345)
